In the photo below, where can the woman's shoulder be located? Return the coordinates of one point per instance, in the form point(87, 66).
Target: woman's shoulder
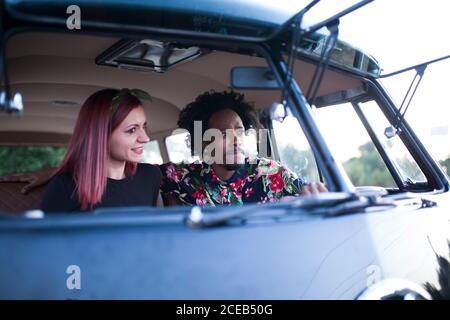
point(59, 194)
point(62, 178)
point(61, 182)
point(149, 170)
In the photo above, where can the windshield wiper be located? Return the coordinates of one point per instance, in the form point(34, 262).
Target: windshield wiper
point(321, 205)
point(376, 203)
point(303, 205)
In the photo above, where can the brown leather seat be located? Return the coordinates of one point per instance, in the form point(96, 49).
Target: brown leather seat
point(12, 200)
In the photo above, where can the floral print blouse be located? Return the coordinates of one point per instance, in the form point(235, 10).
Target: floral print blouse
point(261, 180)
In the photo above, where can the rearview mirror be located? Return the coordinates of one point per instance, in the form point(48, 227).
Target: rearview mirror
point(253, 78)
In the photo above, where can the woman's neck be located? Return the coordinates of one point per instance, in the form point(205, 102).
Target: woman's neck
point(116, 169)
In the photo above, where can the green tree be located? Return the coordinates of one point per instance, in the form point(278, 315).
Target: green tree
point(368, 169)
point(22, 159)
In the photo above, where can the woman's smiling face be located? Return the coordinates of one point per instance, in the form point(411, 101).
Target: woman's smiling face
point(128, 139)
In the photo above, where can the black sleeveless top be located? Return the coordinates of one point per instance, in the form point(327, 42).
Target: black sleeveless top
point(141, 189)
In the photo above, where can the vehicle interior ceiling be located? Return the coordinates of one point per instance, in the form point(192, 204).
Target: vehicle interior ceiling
point(56, 72)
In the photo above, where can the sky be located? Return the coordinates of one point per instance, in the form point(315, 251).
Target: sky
point(399, 34)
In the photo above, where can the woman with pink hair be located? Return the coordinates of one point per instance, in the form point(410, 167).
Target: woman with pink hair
point(101, 166)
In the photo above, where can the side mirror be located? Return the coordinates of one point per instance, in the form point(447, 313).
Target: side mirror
point(253, 78)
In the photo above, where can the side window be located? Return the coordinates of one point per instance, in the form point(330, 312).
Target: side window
point(152, 153)
point(178, 148)
point(407, 167)
point(351, 145)
point(293, 148)
point(18, 159)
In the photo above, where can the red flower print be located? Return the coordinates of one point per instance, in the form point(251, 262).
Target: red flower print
point(276, 182)
point(238, 184)
point(200, 197)
point(248, 192)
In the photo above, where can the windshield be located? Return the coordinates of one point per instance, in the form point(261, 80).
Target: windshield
point(181, 89)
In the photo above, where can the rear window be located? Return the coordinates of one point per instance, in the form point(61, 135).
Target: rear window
point(152, 153)
point(178, 148)
point(18, 159)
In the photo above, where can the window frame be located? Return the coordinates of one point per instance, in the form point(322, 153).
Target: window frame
point(378, 145)
point(436, 180)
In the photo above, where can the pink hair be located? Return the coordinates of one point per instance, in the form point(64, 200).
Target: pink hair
point(87, 153)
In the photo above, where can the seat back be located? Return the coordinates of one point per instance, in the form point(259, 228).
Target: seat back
point(12, 200)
